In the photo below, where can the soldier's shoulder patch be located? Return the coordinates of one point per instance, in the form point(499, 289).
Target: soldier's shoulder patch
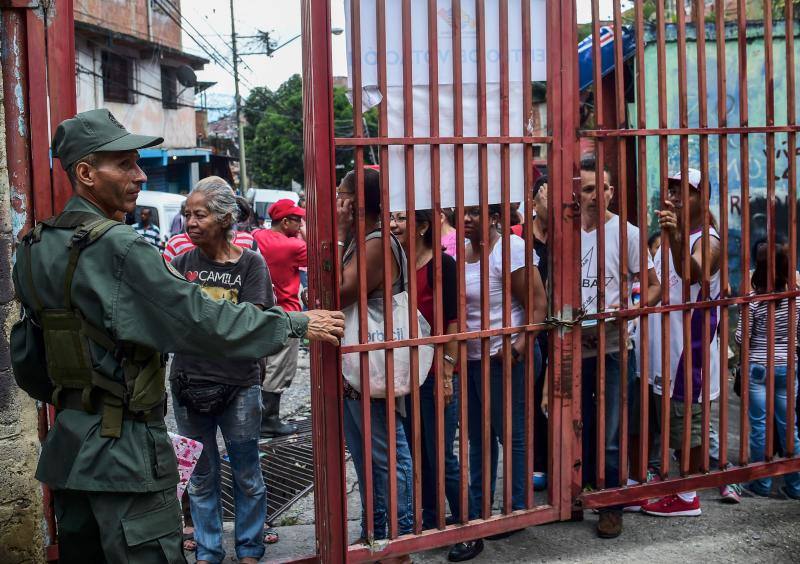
point(172, 270)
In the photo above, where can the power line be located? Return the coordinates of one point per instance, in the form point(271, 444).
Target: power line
point(135, 32)
point(214, 58)
point(83, 70)
point(196, 31)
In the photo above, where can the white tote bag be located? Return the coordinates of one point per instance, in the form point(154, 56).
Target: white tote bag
point(351, 362)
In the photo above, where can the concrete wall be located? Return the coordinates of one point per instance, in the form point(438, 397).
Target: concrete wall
point(21, 517)
point(146, 115)
point(131, 18)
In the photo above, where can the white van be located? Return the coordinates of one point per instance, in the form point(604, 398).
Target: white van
point(163, 206)
point(261, 199)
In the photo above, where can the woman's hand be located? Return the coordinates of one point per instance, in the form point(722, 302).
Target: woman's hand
point(448, 383)
point(344, 218)
point(545, 396)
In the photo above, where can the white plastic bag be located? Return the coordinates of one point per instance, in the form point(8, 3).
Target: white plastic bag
point(351, 364)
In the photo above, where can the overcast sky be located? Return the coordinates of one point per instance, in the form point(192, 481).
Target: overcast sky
point(211, 19)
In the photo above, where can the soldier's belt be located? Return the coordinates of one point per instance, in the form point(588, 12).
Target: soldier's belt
point(109, 406)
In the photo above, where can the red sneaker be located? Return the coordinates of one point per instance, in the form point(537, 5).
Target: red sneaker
point(673, 506)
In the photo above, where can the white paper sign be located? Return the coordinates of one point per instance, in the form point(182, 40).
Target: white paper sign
point(518, 120)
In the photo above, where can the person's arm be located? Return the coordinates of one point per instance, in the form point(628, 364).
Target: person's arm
point(450, 299)
point(653, 287)
point(668, 220)
point(157, 308)
point(302, 253)
point(451, 350)
point(520, 292)
point(349, 290)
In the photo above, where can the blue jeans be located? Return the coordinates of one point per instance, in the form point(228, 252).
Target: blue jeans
point(613, 364)
point(428, 467)
point(380, 467)
point(519, 477)
point(758, 424)
point(240, 424)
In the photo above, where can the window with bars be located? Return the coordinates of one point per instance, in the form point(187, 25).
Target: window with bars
point(169, 88)
point(117, 78)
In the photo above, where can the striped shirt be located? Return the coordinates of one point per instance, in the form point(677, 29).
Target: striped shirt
point(152, 233)
point(757, 314)
point(181, 243)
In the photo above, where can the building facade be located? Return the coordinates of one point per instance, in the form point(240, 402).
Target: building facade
point(130, 59)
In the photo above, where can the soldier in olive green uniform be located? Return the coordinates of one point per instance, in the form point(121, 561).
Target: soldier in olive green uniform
point(107, 306)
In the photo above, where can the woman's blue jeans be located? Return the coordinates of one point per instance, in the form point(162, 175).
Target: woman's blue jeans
point(427, 431)
point(353, 435)
point(757, 413)
point(519, 477)
point(240, 424)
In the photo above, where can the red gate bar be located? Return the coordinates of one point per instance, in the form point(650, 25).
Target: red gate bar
point(458, 161)
point(685, 256)
point(769, 102)
point(622, 182)
point(792, 282)
point(360, 256)
point(408, 131)
point(620, 496)
point(744, 160)
point(599, 183)
point(330, 515)
point(705, 192)
point(643, 445)
point(665, 246)
point(722, 121)
point(530, 368)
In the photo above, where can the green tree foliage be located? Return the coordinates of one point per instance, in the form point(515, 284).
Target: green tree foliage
point(274, 133)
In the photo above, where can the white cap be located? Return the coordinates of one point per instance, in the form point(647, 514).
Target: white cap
point(694, 177)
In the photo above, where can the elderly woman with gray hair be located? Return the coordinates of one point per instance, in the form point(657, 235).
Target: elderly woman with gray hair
point(214, 393)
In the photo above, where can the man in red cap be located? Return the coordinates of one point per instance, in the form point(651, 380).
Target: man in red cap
point(285, 254)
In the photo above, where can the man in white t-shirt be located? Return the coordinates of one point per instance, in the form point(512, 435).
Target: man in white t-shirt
point(592, 208)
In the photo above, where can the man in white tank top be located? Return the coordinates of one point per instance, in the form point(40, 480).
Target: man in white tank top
point(681, 360)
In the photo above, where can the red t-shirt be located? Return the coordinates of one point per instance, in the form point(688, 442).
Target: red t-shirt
point(285, 256)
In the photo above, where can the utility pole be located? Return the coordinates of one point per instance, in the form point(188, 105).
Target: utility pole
point(239, 124)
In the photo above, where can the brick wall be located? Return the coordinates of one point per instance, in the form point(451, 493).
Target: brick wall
point(130, 17)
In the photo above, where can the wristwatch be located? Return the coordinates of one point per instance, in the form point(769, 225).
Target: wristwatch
point(450, 359)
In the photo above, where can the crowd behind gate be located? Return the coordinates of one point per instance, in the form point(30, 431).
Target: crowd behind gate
point(618, 356)
point(269, 264)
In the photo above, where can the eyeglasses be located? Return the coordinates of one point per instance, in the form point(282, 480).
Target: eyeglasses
point(342, 194)
point(294, 218)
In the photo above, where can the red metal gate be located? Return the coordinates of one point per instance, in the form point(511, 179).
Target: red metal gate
point(618, 136)
point(38, 73)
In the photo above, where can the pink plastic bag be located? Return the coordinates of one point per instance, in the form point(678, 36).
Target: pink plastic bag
point(187, 451)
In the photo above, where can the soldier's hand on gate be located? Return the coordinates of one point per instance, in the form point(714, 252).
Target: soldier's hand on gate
point(324, 325)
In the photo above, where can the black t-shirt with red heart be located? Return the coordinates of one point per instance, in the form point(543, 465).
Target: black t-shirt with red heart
point(246, 280)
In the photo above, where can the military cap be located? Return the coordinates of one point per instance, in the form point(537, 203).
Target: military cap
point(95, 131)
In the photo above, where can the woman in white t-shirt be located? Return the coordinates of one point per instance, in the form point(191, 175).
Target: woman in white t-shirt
point(492, 347)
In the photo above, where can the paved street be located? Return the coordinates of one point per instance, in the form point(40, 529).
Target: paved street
point(758, 530)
